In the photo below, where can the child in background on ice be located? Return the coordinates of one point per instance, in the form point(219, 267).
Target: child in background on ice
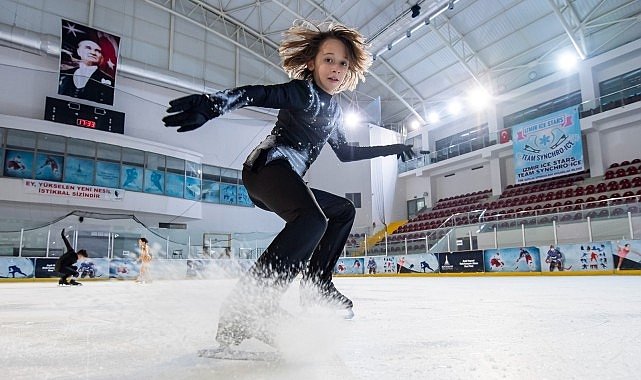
point(323, 60)
point(145, 260)
point(65, 263)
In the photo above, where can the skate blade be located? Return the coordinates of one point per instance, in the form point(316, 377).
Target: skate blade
point(229, 354)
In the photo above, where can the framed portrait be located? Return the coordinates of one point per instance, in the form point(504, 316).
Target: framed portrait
point(88, 63)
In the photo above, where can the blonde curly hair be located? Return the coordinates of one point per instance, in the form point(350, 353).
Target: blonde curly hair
point(302, 42)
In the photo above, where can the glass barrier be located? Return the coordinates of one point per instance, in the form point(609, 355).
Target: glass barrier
point(116, 236)
point(614, 219)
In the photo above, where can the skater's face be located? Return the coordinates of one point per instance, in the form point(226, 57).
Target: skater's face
point(330, 65)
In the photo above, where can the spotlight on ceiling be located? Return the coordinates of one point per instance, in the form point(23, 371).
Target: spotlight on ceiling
point(408, 34)
point(427, 21)
point(451, 5)
point(416, 10)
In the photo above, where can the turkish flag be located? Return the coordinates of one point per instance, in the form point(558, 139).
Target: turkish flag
point(505, 136)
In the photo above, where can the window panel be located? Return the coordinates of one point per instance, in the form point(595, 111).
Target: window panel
point(211, 173)
point(133, 157)
point(176, 165)
point(21, 139)
point(229, 176)
point(154, 161)
point(51, 143)
point(83, 148)
point(108, 152)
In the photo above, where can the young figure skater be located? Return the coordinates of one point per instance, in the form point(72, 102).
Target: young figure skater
point(144, 259)
point(323, 60)
point(65, 263)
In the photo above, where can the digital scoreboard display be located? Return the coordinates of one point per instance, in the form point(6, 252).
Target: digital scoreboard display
point(82, 115)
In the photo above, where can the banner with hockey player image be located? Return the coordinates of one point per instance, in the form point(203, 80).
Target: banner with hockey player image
point(124, 269)
point(16, 267)
point(522, 259)
point(423, 263)
point(581, 257)
point(626, 254)
point(348, 265)
point(548, 146)
point(93, 268)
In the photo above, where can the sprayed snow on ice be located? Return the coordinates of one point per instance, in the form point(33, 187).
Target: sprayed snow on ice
point(405, 328)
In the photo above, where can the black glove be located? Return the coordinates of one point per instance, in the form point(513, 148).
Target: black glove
point(404, 152)
point(76, 274)
point(192, 111)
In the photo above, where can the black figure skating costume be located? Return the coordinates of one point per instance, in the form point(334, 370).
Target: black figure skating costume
point(65, 264)
point(317, 222)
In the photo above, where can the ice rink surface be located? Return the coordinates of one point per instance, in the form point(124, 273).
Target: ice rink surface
point(405, 328)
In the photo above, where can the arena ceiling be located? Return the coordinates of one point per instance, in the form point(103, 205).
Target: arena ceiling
point(422, 62)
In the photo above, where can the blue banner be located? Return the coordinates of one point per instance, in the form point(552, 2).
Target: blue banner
point(16, 267)
point(521, 259)
point(548, 146)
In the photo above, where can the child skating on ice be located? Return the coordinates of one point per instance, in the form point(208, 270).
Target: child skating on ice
point(65, 265)
point(323, 61)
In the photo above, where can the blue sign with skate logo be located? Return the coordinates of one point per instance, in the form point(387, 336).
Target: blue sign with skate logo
point(548, 146)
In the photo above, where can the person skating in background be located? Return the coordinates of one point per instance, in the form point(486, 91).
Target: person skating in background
point(65, 265)
point(144, 259)
point(323, 60)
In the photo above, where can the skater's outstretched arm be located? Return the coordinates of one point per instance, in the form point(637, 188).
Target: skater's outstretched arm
point(346, 152)
point(64, 238)
point(192, 111)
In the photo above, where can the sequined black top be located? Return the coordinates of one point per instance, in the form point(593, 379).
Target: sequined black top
point(308, 119)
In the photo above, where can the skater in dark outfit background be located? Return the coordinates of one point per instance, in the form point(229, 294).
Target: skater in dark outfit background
point(65, 263)
point(323, 61)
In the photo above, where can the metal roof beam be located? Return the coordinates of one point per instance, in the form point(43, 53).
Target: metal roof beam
point(571, 24)
point(456, 43)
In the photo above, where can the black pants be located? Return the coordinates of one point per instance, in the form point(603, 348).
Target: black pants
point(318, 224)
point(66, 272)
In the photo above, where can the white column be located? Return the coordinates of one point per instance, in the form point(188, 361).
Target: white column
point(589, 86)
point(496, 176)
point(595, 152)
